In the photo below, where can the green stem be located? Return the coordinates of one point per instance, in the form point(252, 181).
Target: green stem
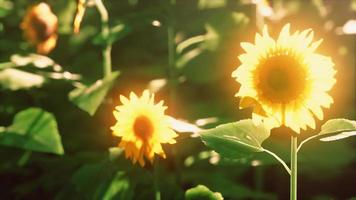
point(24, 158)
point(293, 177)
point(155, 179)
point(171, 50)
point(171, 54)
point(105, 32)
point(306, 140)
point(278, 159)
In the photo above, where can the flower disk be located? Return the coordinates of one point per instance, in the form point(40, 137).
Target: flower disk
point(285, 80)
point(143, 127)
point(40, 27)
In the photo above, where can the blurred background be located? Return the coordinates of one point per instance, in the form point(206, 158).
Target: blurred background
point(197, 87)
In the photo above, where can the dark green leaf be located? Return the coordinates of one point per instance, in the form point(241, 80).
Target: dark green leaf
point(102, 181)
point(33, 129)
point(89, 98)
point(201, 192)
point(236, 139)
point(119, 188)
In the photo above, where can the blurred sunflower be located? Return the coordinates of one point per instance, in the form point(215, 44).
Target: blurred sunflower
point(285, 80)
point(40, 27)
point(143, 127)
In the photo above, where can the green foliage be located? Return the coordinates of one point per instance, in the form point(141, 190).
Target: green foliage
point(236, 139)
point(207, 38)
point(102, 181)
point(15, 79)
point(33, 129)
point(89, 98)
point(117, 32)
point(201, 192)
point(326, 159)
point(339, 128)
point(334, 129)
point(24, 72)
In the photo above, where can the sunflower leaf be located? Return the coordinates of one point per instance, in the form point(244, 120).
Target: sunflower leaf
point(89, 98)
point(202, 192)
point(102, 181)
point(334, 129)
point(236, 139)
point(33, 129)
point(337, 129)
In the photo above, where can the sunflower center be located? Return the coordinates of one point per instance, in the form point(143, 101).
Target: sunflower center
point(280, 79)
point(42, 29)
point(143, 127)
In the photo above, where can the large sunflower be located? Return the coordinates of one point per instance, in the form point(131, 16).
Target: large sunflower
point(142, 126)
point(285, 80)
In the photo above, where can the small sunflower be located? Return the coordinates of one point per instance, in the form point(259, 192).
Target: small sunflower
point(40, 27)
point(143, 127)
point(285, 80)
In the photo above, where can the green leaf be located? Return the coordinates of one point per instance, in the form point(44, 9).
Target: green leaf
point(102, 181)
point(15, 79)
point(119, 188)
point(117, 32)
point(337, 129)
point(89, 98)
point(39, 61)
point(5, 7)
point(201, 192)
point(191, 48)
point(115, 152)
point(236, 139)
point(334, 129)
point(33, 129)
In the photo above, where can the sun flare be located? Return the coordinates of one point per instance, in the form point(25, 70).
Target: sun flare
point(285, 80)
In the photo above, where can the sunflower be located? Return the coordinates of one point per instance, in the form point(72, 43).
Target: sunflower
point(40, 27)
point(285, 80)
point(143, 127)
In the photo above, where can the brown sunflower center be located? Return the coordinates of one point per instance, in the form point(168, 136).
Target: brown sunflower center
point(143, 127)
point(280, 79)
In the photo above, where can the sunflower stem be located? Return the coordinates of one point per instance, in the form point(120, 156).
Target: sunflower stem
point(155, 180)
point(105, 33)
point(293, 177)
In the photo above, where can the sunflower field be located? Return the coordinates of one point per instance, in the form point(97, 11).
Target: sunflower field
point(178, 99)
